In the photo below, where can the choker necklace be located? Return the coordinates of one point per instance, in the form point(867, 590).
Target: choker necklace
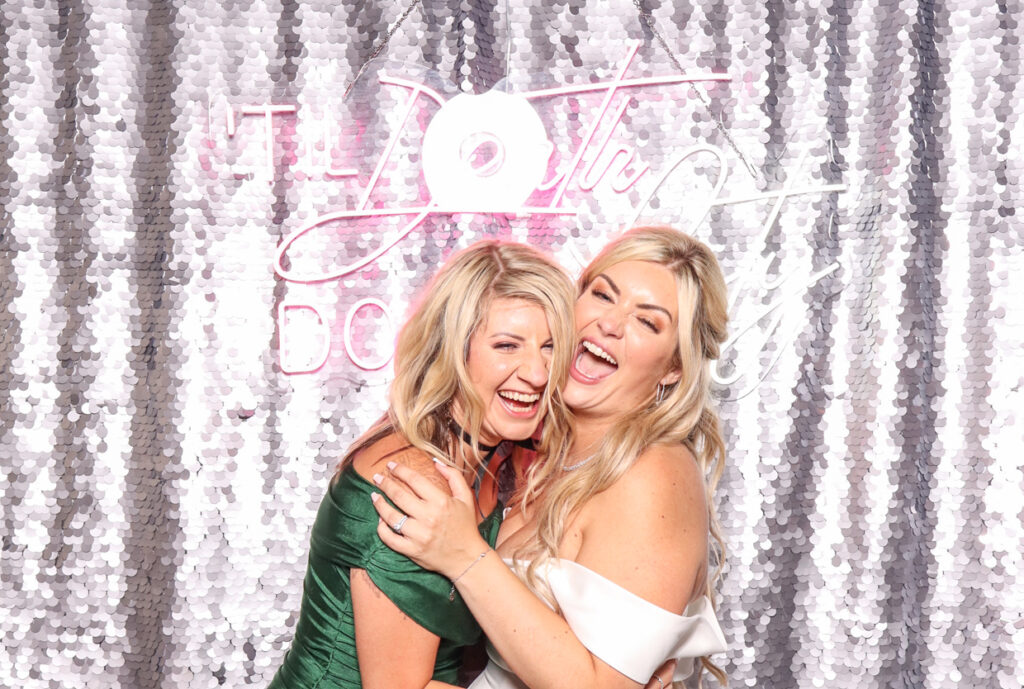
point(488, 454)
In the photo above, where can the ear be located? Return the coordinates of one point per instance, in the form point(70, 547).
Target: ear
point(672, 377)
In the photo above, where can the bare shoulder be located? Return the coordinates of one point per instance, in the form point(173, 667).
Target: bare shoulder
point(395, 448)
point(655, 513)
point(663, 477)
point(663, 491)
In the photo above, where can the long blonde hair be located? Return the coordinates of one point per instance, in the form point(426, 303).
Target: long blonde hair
point(685, 415)
point(433, 346)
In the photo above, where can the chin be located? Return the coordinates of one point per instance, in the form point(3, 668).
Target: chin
point(578, 397)
point(573, 393)
point(516, 432)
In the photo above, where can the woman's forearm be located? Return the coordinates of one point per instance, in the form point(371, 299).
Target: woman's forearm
point(533, 640)
point(441, 535)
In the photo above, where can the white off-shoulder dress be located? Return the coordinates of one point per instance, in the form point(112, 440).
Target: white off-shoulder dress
point(631, 634)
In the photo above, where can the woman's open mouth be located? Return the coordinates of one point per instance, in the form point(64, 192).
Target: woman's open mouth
point(521, 404)
point(592, 363)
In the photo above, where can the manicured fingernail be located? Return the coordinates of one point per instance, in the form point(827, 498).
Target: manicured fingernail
point(377, 478)
point(374, 497)
point(392, 465)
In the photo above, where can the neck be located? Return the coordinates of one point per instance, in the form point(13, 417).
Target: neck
point(484, 443)
point(484, 440)
point(475, 464)
point(588, 433)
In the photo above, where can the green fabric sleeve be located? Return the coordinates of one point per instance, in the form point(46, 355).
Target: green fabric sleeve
point(345, 533)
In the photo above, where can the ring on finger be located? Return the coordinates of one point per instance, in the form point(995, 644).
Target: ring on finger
point(397, 528)
point(661, 685)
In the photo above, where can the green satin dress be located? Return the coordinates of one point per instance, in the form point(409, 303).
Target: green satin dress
point(323, 652)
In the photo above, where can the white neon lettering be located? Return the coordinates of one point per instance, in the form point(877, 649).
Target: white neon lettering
point(723, 174)
point(303, 343)
point(465, 123)
point(268, 112)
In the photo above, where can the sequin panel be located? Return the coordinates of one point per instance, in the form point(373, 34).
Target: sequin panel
point(213, 216)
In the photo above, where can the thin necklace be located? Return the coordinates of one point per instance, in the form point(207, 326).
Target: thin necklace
point(577, 465)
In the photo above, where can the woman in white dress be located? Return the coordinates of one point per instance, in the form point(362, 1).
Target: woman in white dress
point(609, 547)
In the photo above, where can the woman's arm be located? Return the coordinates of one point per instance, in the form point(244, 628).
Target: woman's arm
point(647, 533)
point(394, 652)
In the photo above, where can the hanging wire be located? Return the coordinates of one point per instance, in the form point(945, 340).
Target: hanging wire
point(648, 19)
point(698, 91)
point(383, 43)
point(508, 43)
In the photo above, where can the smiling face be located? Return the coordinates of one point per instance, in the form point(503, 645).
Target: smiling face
point(509, 355)
point(627, 321)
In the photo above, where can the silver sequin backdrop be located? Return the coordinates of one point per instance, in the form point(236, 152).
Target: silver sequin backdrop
point(162, 454)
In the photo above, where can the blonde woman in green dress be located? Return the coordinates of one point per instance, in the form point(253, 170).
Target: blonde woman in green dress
point(480, 361)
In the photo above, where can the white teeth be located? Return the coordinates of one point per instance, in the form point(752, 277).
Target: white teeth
point(598, 352)
point(527, 398)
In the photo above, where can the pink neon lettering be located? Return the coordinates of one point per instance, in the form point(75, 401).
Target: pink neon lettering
point(357, 359)
point(617, 161)
point(318, 157)
point(420, 213)
point(631, 52)
point(305, 338)
point(610, 88)
point(587, 182)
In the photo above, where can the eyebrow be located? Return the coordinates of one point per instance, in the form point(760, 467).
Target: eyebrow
point(507, 334)
point(611, 283)
point(655, 307)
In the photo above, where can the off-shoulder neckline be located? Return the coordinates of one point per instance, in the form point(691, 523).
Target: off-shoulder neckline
point(697, 607)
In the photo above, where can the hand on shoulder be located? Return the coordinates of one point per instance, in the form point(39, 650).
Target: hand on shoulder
point(395, 448)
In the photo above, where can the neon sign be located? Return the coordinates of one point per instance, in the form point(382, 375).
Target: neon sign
point(489, 154)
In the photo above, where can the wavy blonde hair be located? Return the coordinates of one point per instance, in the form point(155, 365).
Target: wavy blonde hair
point(433, 347)
point(685, 416)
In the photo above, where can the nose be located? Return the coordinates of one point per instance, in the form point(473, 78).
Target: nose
point(533, 369)
point(610, 322)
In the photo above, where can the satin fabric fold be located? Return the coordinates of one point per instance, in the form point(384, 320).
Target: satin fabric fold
point(344, 537)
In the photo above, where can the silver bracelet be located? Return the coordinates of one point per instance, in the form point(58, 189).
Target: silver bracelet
point(451, 594)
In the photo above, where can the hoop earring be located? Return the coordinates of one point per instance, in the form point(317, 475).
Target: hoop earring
point(661, 394)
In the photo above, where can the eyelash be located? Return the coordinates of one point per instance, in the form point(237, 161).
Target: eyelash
point(650, 324)
point(604, 297)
